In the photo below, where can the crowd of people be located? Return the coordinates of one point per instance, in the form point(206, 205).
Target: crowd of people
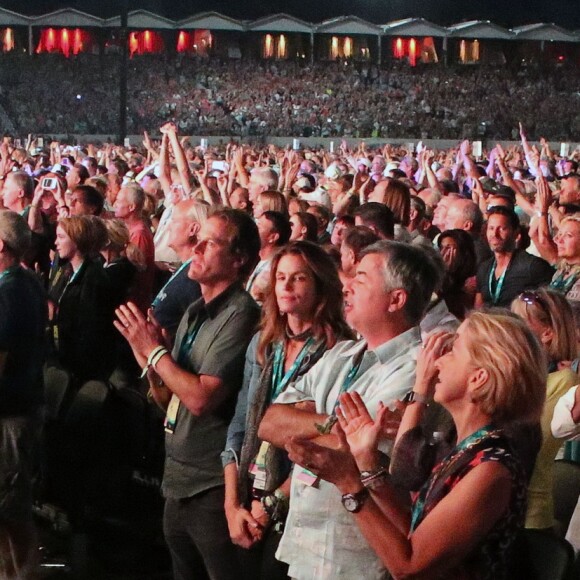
point(366, 359)
point(48, 94)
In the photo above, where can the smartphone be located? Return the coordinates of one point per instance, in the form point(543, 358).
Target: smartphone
point(296, 144)
point(127, 142)
point(219, 166)
point(204, 143)
point(40, 142)
point(17, 143)
point(564, 149)
point(331, 147)
point(477, 148)
point(49, 183)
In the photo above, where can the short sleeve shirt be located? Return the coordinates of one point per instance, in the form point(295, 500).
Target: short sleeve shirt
point(525, 272)
point(226, 325)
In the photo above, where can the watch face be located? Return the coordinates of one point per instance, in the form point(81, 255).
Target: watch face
point(351, 504)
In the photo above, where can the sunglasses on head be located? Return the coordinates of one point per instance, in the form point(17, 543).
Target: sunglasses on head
point(531, 298)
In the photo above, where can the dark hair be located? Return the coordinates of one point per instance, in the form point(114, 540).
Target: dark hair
point(449, 186)
point(510, 214)
point(322, 212)
point(308, 221)
point(281, 226)
point(245, 239)
point(121, 166)
point(88, 233)
point(83, 172)
point(419, 206)
point(345, 219)
point(358, 238)
point(465, 264)
point(397, 198)
point(327, 320)
point(91, 197)
point(378, 217)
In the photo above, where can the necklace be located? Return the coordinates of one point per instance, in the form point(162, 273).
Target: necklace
point(300, 336)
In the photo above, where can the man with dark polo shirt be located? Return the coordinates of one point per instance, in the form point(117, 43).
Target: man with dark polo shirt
point(509, 271)
point(197, 385)
point(23, 316)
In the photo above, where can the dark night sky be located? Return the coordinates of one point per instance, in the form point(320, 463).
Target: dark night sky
point(504, 12)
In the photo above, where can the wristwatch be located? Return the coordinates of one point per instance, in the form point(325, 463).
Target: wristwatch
point(353, 502)
point(413, 397)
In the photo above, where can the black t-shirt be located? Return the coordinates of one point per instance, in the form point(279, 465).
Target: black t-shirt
point(525, 272)
point(174, 299)
point(23, 318)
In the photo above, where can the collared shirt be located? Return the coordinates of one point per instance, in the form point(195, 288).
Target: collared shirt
point(321, 539)
point(192, 463)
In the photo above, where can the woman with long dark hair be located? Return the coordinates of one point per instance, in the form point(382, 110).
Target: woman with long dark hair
point(302, 318)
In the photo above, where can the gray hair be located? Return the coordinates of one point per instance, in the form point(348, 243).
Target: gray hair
point(416, 270)
point(15, 233)
point(265, 176)
point(470, 212)
point(135, 195)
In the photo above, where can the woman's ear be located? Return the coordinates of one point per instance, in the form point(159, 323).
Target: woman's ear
point(477, 379)
point(547, 335)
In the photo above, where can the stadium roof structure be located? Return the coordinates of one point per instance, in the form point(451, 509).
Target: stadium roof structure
point(9, 18)
point(142, 19)
point(68, 17)
point(280, 23)
point(348, 25)
point(479, 29)
point(210, 21)
point(413, 27)
point(544, 32)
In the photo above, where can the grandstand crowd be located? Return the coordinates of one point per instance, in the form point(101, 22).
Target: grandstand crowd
point(48, 94)
point(365, 361)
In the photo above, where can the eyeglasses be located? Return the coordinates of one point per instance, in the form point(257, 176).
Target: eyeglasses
point(529, 297)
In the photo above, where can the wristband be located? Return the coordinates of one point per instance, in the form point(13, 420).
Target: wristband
point(154, 357)
point(373, 479)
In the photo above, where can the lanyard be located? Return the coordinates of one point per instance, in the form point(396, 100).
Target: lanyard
point(74, 275)
point(8, 272)
point(279, 379)
point(161, 296)
point(356, 363)
point(564, 285)
point(496, 293)
point(469, 441)
point(257, 270)
point(187, 342)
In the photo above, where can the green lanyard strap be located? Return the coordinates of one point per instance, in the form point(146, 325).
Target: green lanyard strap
point(495, 293)
point(187, 342)
point(279, 378)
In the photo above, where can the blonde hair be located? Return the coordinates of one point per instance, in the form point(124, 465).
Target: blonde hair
point(100, 183)
point(504, 346)
point(550, 308)
point(273, 201)
point(118, 241)
point(573, 217)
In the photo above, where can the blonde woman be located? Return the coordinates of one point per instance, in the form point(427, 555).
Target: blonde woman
point(270, 201)
point(550, 318)
point(467, 514)
point(567, 240)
